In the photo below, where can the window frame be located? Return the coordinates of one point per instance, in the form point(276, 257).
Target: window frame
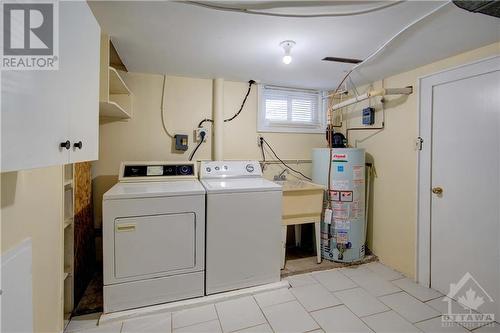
point(263, 125)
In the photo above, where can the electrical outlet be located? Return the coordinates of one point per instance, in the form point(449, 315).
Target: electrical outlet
point(258, 140)
point(197, 134)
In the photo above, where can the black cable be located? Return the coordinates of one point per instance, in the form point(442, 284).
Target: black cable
point(202, 137)
point(250, 83)
point(262, 149)
point(243, 103)
point(282, 162)
point(204, 120)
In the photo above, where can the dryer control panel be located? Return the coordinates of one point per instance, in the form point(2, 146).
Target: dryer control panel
point(156, 171)
point(230, 169)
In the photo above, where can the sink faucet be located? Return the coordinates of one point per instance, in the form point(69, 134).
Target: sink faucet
point(281, 175)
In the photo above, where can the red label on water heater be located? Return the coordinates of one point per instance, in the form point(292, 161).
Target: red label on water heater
point(339, 156)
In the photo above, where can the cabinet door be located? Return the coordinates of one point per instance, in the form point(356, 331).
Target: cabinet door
point(41, 109)
point(33, 119)
point(80, 55)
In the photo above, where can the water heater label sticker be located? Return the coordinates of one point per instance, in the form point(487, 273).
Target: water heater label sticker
point(340, 210)
point(340, 185)
point(355, 209)
point(342, 225)
point(357, 172)
point(346, 196)
point(335, 195)
point(342, 237)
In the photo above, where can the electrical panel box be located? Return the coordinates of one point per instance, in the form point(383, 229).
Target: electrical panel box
point(181, 142)
point(369, 116)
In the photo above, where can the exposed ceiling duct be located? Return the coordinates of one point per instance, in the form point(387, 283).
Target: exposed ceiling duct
point(343, 60)
point(491, 8)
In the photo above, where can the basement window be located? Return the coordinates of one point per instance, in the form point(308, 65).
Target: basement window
point(283, 109)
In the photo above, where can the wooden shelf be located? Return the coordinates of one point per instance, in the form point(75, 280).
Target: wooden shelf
point(68, 183)
point(68, 222)
point(116, 83)
point(66, 318)
point(68, 242)
point(112, 109)
point(115, 97)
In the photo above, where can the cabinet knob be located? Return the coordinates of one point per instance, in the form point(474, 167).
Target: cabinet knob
point(65, 144)
point(78, 145)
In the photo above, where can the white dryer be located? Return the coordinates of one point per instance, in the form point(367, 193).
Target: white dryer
point(243, 240)
point(153, 235)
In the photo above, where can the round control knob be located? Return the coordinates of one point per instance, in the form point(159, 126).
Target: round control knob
point(208, 169)
point(250, 168)
point(184, 170)
point(217, 168)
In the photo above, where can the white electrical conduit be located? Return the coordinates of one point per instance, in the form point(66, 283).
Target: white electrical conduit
point(256, 12)
point(381, 48)
point(218, 117)
point(163, 107)
point(373, 93)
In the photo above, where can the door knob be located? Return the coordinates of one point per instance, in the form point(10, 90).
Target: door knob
point(78, 145)
point(437, 190)
point(65, 145)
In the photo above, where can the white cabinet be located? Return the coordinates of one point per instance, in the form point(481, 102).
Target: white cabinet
point(42, 109)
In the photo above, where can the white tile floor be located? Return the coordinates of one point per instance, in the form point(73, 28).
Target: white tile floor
point(366, 298)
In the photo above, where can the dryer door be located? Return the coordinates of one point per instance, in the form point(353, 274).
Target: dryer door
point(154, 244)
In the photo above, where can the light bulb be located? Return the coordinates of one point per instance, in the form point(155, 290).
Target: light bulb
point(287, 47)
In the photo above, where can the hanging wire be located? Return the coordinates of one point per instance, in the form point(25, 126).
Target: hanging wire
point(255, 12)
point(262, 140)
point(163, 107)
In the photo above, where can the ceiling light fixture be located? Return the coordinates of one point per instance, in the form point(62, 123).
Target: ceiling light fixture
point(287, 47)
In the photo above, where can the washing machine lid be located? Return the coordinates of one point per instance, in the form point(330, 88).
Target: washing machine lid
point(237, 185)
point(125, 190)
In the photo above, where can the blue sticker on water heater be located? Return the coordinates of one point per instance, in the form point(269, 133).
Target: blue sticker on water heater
point(340, 168)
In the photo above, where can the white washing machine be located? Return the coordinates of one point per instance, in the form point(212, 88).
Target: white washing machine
point(153, 235)
point(243, 240)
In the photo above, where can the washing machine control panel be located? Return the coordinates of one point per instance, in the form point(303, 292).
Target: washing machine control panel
point(230, 169)
point(157, 171)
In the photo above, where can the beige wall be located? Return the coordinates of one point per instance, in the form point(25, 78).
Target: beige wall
point(187, 101)
point(31, 203)
point(392, 227)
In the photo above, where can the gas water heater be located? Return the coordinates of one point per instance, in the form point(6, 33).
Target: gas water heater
point(343, 232)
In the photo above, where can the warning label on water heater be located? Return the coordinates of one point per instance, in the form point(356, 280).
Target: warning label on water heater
point(357, 172)
point(346, 196)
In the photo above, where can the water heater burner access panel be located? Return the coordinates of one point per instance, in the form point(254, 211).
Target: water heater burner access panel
point(158, 171)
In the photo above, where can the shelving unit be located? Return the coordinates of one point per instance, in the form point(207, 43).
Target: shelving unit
point(68, 232)
point(115, 98)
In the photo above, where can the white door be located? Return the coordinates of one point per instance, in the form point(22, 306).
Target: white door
point(80, 56)
point(465, 166)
